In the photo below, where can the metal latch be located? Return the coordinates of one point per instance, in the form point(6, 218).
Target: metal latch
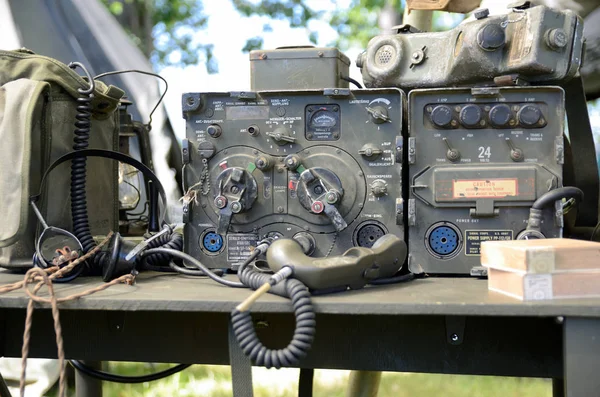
point(337, 92)
point(399, 149)
point(399, 211)
point(243, 95)
point(185, 151)
point(484, 208)
point(485, 91)
point(412, 150)
point(412, 213)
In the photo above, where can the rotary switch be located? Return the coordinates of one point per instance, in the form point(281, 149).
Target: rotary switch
point(320, 191)
point(237, 191)
point(281, 136)
point(379, 188)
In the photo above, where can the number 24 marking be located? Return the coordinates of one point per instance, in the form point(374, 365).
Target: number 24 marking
point(484, 152)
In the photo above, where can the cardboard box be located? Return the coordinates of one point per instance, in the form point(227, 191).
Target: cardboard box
point(527, 286)
point(553, 255)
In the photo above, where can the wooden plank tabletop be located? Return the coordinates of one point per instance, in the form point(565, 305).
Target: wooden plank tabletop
point(430, 296)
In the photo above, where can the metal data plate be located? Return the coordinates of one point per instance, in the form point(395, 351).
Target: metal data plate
point(478, 159)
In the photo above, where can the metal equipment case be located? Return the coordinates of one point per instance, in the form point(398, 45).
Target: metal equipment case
point(478, 158)
point(298, 68)
point(321, 165)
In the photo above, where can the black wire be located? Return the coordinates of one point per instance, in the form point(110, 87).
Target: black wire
point(195, 263)
point(595, 231)
point(558, 194)
point(108, 377)
point(351, 80)
point(393, 280)
point(139, 194)
point(143, 212)
point(149, 125)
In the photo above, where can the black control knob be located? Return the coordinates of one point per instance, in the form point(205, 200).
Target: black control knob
point(441, 116)
point(529, 115)
point(500, 115)
point(470, 115)
point(214, 130)
point(491, 37)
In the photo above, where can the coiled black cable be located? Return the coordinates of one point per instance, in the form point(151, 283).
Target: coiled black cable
point(170, 240)
point(304, 333)
point(81, 225)
point(108, 377)
point(79, 214)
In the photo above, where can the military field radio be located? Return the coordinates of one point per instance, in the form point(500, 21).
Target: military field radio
point(320, 166)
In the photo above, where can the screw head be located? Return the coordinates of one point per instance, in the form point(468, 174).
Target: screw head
point(220, 202)
point(317, 207)
point(332, 197)
point(318, 189)
point(236, 207)
point(234, 189)
point(280, 209)
point(556, 38)
point(454, 337)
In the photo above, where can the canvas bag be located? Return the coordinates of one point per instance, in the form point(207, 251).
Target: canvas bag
point(38, 105)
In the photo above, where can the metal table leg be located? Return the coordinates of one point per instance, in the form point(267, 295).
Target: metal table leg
point(4, 392)
point(363, 384)
point(86, 386)
point(581, 357)
point(558, 387)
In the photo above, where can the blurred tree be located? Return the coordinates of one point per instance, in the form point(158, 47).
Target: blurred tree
point(164, 30)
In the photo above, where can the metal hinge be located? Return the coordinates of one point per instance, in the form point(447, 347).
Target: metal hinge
point(412, 213)
point(412, 150)
point(559, 150)
point(399, 211)
point(484, 208)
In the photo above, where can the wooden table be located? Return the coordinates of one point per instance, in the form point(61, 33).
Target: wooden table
point(434, 325)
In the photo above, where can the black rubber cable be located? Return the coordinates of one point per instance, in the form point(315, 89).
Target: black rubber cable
point(194, 262)
point(557, 194)
point(79, 213)
point(351, 80)
point(108, 377)
point(393, 280)
point(304, 332)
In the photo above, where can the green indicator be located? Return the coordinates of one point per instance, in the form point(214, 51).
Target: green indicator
point(251, 167)
point(300, 169)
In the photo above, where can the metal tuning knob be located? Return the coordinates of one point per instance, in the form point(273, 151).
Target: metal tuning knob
point(379, 114)
point(237, 191)
point(320, 192)
point(281, 136)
